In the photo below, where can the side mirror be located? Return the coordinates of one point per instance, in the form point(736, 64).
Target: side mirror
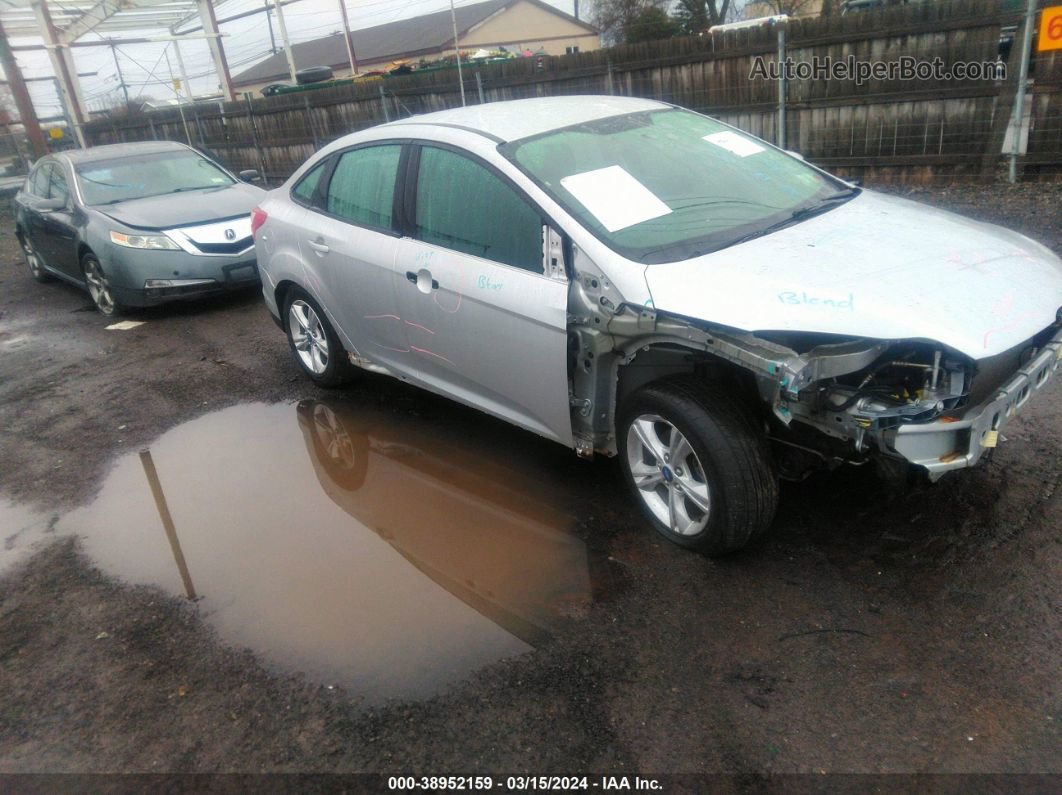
point(49, 205)
point(797, 155)
point(250, 175)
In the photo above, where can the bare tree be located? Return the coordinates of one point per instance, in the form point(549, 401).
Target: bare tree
point(698, 15)
point(618, 18)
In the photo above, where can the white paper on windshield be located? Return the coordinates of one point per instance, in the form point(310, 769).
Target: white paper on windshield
point(732, 142)
point(615, 198)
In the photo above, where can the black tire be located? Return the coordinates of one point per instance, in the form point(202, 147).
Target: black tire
point(731, 451)
point(99, 287)
point(338, 370)
point(33, 260)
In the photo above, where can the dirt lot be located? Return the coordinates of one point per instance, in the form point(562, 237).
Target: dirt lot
point(872, 633)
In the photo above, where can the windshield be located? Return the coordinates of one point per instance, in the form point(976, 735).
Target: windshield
point(138, 176)
point(667, 185)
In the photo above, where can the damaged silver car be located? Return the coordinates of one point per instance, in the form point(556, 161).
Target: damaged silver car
point(633, 279)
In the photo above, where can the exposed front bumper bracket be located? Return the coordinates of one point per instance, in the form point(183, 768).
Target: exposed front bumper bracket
point(943, 445)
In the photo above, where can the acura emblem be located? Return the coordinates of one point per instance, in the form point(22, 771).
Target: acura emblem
point(230, 234)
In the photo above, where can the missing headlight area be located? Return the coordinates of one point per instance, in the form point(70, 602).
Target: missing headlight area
point(824, 400)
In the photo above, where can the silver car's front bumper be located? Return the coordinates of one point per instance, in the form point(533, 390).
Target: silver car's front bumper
point(954, 444)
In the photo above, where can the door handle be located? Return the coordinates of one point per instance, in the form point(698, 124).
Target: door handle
point(413, 279)
point(319, 247)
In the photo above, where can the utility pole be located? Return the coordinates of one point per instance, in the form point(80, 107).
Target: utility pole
point(347, 35)
point(180, 105)
point(457, 52)
point(180, 67)
point(121, 77)
point(285, 41)
point(269, 22)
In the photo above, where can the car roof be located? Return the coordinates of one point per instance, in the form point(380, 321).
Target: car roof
point(521, 118)
point(110, 151)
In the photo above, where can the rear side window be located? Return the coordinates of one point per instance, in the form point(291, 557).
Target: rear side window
point(306, 186)
point(362, 187)
point(463, 206)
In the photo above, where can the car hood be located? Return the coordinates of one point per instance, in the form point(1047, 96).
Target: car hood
point(186, 208)
point(877, 266)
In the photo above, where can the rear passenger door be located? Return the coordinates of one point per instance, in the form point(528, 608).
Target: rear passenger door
point(484, 322)
point(348, 241)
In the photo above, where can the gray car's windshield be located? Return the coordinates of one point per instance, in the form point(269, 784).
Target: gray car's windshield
point(139, 176)
point(661, 186)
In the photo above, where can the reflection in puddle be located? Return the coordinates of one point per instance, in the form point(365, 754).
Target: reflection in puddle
point(386, 554)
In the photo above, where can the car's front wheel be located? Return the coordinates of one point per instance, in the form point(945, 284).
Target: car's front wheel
point(314, 343)
point(33, 260)
point(698, 465)
point(99, 287)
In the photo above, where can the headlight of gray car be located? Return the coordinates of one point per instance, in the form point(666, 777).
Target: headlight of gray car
point(158, 242)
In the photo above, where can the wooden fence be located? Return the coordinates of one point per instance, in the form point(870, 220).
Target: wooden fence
point(883, 129)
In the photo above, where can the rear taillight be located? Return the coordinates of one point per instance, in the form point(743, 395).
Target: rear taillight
point(258, 217)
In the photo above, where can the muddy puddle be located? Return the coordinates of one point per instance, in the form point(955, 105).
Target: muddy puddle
point(378, 552)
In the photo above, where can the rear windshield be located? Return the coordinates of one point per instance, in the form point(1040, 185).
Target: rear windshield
point(139, 176)
point(661, 186)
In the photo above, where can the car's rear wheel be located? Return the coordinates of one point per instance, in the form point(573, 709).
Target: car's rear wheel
point(33, 260)
point(698, 466)
point(99, 287)
point(314, 343)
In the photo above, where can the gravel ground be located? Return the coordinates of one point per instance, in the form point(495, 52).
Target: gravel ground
point(872, 633)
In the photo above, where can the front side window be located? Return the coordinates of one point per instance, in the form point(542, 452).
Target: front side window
point(362, 187)
point(141, 175)
point(666, 185)
point(57, 186)
point(463, 206)
point(40, 180)
point(304, 189)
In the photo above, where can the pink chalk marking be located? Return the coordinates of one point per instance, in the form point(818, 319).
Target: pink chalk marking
point(430, 353)
point(417, 325)
point(378, 317)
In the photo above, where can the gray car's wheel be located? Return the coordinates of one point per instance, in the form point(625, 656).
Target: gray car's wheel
point(33, 260)
point(314, 343)
point(698, 466)
point(99, 287)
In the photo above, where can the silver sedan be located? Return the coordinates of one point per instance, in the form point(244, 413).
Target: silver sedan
point(630, 278)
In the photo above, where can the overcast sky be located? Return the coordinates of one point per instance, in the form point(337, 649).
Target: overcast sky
point(247, 41)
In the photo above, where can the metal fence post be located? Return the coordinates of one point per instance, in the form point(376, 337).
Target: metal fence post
point(781, 85)
point(309, 118)
point(608, 78)
point(479, 88)
point(1017, 120)
point(254, 140)
point(383, 102)
point(151, 124)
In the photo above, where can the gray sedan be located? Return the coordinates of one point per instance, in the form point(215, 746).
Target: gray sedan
point(138, 224)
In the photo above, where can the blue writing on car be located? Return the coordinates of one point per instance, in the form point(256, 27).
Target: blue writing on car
point(804, 298)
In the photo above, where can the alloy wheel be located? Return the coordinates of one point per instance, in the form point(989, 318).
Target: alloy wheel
point(308, 336)
point(333, 437)
point(668, 475)
point(98, 287)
